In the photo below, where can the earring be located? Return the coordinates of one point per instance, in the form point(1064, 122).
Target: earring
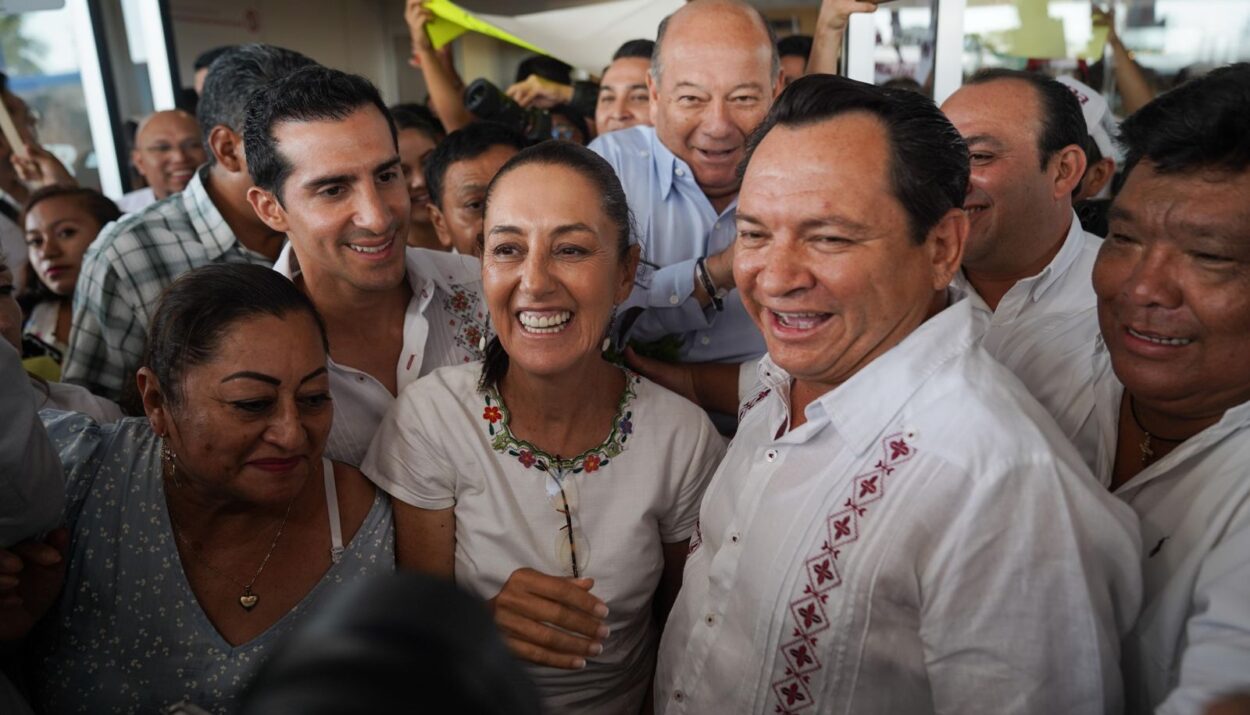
point(167, 457)
point(481, 343)
point(607, 343)
point(607, 338)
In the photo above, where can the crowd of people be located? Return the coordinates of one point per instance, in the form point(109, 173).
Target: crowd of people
point(751, 388)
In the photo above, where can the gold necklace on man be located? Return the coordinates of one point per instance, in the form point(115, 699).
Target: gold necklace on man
point(1146, 446)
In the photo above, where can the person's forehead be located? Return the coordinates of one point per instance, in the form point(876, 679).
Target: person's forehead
point(626, 71)
point(1195, 203)
point(58, 208)
point(167, 124)
point(361, 140)
point(850, 151)
point(998, 107)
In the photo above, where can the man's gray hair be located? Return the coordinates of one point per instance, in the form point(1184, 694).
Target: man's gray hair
point(232, 80)
point(775, 58)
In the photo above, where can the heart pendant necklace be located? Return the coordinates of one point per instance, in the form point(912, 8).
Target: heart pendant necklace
point(249, 598)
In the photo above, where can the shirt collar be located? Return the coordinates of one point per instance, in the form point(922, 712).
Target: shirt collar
point(1073, 245)
point(210, 226)
point(861, 408)
point(425, 270)
point(668, 166)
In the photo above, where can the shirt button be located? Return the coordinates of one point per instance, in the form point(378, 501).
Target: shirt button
point(771, 455)
point(710, 619)
point(734, 538)
point(705, 340)
point(679, 696)
point(673, 299)
point(681, 172)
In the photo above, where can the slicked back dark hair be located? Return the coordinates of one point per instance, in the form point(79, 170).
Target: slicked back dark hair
point(1203, 124)
point(1062, 123)
point(462, 145)
point(233, 78)
point(641, 49)
point(612, 201)
point(310, 94)
point(197, 310)
point(928, 159)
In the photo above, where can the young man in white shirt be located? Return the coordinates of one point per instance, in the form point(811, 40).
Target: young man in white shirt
point(1159, 402)
point(898, 527)
point(322, 150)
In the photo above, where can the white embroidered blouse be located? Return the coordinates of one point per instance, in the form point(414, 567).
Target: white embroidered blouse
point(443, 325)
point(447, 444)
point(927, 542)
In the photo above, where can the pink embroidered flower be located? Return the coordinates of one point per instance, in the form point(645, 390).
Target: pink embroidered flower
point(527, 458)
point(459, 301)
point(492, 414)
point(591, 463)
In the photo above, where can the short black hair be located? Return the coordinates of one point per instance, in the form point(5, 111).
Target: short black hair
point(462, 145)
point(928, 159)
point(411, 115)
point(197, 310)
point(795, 46)
point(612, 201)
point(640, 49)
point(205, 59)
point(548, 68)
point(1204, 124)
point(235, 76)
point(310, 94)
point(1062, 123)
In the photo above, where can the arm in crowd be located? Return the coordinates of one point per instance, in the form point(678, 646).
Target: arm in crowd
point(32, 492)
point(446, 89)
point(543, 93)
point(1135, 88)
point(830, 30)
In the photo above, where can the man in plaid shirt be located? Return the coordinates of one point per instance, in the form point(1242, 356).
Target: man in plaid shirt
point(133, 260)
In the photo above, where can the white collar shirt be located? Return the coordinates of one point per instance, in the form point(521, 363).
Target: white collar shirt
point(1064, 288)
point(926, 542)
point(443, 325)
point(1192, 641)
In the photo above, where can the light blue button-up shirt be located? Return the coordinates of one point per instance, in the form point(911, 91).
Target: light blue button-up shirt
point(676, 225)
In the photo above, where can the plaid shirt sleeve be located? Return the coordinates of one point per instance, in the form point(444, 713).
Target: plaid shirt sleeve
point(108, 329)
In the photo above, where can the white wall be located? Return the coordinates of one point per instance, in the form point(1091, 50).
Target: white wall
point(352, 35)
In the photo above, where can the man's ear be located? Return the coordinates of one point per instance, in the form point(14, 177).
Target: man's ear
point(1068, 165)
point(155, 406)
point(945, 243)
point(653, 108)
point(440, 227)
point(227, 148)
point(1096, 177)
point(268, 209)
point(135, 155)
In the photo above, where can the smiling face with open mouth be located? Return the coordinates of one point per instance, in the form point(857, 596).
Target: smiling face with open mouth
point(1173, 285)
point(551, 270)
point(714, 87)
point(824, 257)
point(344, 204)
point(168, 151)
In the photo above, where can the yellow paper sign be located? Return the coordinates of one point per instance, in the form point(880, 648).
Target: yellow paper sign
point(452, 21)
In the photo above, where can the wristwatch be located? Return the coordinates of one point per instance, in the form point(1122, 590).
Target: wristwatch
point(705, 278)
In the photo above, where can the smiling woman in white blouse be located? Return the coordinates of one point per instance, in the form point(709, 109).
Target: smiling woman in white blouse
point(558, 486)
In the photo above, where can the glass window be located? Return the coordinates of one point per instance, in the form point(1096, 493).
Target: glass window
point(906, 35)
point(39, 53)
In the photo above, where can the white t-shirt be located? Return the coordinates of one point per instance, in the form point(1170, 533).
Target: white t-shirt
point(446, 444)
point(926, 542)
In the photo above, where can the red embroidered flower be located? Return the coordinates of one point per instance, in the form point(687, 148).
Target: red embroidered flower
point(492, 413)
point(527, 458)
point(459, 301)
point(592, 463)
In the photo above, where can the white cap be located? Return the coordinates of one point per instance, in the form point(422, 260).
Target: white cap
point(1099, 121)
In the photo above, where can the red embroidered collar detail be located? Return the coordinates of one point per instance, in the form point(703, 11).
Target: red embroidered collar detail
point(807, 617)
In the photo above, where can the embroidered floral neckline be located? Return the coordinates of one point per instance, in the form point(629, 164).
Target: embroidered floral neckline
point(592, 460)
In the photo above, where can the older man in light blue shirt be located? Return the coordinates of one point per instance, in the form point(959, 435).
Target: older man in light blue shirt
point(713, 77)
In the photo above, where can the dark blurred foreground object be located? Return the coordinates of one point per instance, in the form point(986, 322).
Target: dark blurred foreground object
point(486, 101)
point(396, 643)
